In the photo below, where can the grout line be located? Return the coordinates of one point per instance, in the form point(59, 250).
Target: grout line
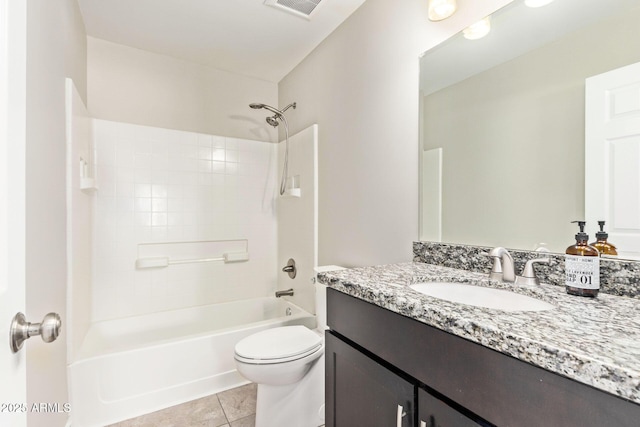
point(222, 407)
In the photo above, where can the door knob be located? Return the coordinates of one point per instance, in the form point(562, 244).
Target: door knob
point(21, 330)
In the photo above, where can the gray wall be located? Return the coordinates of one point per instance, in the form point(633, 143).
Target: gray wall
point(361, 86)
point(56, 48)
point(513, 138)
point(134, 86)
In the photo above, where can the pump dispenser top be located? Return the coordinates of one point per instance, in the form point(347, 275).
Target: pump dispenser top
point(581, 236)
point(582, 266)
point(601, 243)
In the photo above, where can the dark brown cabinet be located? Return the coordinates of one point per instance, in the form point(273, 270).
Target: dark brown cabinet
point(376, 396)
point(433, 412)
point(377, 359)
point(363, 392)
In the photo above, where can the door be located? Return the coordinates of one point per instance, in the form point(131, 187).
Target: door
point(361, 392)
point(12, 205)
point(612, 156)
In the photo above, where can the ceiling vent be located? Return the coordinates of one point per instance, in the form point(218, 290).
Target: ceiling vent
point(302, 8)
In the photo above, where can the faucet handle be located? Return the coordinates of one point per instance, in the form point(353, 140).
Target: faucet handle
point(528, 273)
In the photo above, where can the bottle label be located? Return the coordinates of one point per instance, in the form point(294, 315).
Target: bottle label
point(582, 271)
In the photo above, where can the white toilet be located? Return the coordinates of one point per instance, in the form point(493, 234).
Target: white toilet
point(287, 363)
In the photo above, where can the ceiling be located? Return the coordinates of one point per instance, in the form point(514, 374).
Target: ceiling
point(241, 36)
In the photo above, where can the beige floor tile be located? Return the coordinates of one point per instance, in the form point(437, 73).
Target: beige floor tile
point(249, 421)
point(204, 412)
point(239, 402)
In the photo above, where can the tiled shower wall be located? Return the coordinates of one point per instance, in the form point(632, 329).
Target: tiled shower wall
point(163, 186)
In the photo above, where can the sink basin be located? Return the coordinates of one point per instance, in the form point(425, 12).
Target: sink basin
point(479, 296)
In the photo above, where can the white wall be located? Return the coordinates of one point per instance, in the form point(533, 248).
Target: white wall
point(134, 86)
point(55, 49)
point(361, 86)
point(162, 186)
point(79, 220)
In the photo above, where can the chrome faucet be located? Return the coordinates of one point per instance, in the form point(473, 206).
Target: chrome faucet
point(503, 268)
point(288, 292)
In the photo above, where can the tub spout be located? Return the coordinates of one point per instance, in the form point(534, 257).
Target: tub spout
point(288, 292)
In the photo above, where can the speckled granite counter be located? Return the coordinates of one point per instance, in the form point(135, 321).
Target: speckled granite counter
point(593, 341)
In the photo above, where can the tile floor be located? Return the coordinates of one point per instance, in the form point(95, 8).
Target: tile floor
point(231, 408)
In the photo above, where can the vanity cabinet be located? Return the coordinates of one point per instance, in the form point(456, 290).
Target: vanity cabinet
point(378, 360)
point(377, 396)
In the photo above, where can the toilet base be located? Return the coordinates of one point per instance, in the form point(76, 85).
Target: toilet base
point(300, 404)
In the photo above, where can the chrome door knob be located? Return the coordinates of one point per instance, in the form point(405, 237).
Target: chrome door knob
point(21, 330)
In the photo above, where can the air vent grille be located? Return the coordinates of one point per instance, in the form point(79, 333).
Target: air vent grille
point(302, 8)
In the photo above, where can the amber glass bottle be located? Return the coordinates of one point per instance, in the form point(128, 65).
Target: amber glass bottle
point(582, 266)
point(601, 243)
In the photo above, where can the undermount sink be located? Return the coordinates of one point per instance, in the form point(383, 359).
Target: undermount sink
point(479, 296)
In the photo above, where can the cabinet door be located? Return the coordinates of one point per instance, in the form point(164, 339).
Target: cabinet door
point(362, 392)
point(433, 412)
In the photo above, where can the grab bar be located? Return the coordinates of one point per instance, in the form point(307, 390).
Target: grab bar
point(160, 262)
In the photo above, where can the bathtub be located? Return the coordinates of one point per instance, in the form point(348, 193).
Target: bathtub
point(136, 365)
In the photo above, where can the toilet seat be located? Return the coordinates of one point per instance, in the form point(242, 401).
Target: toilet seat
point(278, 345)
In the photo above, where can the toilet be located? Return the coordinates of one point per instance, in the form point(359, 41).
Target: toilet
point(287, 363)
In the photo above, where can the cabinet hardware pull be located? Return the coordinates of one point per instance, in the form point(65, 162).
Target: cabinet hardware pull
point(401, 414)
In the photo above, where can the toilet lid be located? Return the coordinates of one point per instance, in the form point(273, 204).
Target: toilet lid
point(278, 343)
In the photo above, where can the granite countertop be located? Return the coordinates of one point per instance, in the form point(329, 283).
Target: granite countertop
point(595, 341)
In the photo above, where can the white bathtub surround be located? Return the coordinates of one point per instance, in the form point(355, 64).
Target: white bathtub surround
point(185, 249)
point(137, 365)
point(166, 186)
point(298, 217)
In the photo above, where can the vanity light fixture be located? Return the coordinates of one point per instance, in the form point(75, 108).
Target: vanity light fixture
point(441, 9)
point(537, 3)
point(478, 30)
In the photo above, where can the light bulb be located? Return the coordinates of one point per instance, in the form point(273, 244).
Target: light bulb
point(441, 9)
point(478, 30)
point(537, 3)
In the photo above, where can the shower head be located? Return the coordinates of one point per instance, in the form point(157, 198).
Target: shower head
point(273, 121)
point(274, 110)
point(278, 114)
point(266, 107)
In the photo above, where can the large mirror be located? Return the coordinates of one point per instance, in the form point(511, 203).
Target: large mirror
point(502, 127)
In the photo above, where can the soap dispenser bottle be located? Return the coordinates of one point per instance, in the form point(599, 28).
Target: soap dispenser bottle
point(601, 244)
point(582, 266)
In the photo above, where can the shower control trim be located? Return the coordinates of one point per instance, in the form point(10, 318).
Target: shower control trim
point(290, 268)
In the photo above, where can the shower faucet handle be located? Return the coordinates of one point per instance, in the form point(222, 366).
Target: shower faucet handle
point(290, 268)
